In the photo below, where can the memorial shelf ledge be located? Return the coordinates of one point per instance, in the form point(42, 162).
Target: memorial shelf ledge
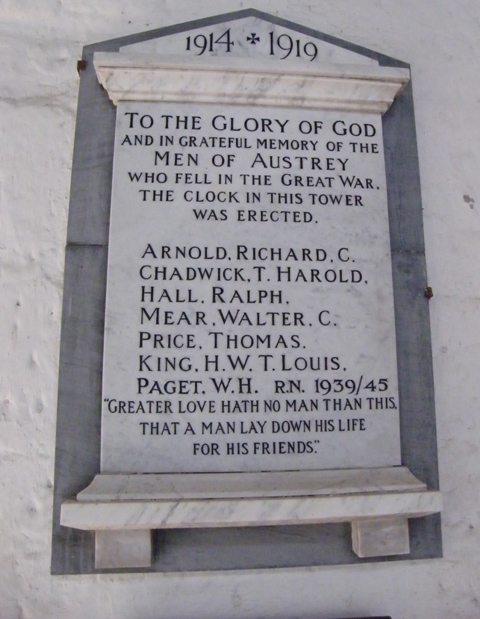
point(123, 509)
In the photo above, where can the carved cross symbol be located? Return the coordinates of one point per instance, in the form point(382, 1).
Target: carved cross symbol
point(253, 39)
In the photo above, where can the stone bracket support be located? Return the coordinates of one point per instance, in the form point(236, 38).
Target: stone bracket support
point(380, 537)
point(123, 549)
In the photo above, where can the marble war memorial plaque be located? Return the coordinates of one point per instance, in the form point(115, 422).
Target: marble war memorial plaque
point(263, 309)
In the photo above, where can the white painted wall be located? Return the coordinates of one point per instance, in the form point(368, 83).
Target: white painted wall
point(40, 44)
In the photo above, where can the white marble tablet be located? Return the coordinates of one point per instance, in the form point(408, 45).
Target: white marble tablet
point(249, 319)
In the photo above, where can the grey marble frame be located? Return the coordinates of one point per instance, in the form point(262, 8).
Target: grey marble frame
point(77, 457)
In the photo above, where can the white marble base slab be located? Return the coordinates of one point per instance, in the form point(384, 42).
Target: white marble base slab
point(378, 503)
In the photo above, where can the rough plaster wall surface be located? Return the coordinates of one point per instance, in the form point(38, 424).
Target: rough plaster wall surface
point(40, 43)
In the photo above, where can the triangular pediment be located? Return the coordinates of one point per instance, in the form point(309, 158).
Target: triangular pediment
point(250, 34)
